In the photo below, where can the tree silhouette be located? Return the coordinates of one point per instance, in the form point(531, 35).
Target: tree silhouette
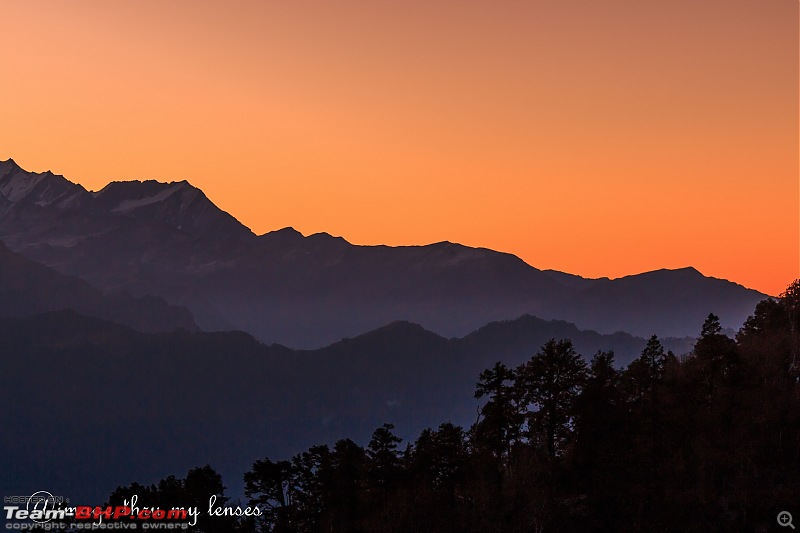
point(195, 490)
point(715, 356)
point(270, 486)
point(499, 424)
point(384, 459)
point(549, 383)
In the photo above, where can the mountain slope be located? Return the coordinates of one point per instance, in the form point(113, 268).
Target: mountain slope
point(19, 187)
point(660, 302)
point(178, 204)
point(28, 288)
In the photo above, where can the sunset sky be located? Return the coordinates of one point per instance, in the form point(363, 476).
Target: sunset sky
point(597, 137)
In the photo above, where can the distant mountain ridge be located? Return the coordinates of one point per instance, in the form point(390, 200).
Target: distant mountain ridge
point(28, 288)
point(169, 401)
point(178, 204)
point(18, 187)
point(171, 241)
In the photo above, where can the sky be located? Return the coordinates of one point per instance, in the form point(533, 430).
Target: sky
point(596, 137)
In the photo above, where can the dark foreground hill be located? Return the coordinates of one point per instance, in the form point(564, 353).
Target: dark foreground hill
point(91, 404)
point(170, 240)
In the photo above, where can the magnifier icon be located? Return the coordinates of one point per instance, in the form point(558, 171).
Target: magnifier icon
point(785, 519)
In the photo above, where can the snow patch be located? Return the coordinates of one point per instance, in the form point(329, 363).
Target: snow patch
point(69, 201)
point(19, 186)
point(130, 205)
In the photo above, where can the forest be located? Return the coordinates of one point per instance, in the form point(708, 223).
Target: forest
point(707, 441)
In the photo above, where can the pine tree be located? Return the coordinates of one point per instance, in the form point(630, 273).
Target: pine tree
point(550, 383)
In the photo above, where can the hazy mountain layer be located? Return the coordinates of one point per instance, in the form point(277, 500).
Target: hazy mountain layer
point(28, 288)
point(170, 240)
point(93, 404)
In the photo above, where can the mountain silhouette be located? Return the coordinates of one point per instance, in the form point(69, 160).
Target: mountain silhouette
point(28, 288)
point(169, 240)
point(125, 405)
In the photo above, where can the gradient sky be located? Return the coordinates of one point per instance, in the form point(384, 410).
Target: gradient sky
point(598, 137)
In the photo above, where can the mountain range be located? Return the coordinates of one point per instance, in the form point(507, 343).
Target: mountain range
point(144, 331)
point(169, 241)
point(92, 404)
point(28, 288)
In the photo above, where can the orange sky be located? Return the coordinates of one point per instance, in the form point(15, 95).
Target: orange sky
point(598, 137)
